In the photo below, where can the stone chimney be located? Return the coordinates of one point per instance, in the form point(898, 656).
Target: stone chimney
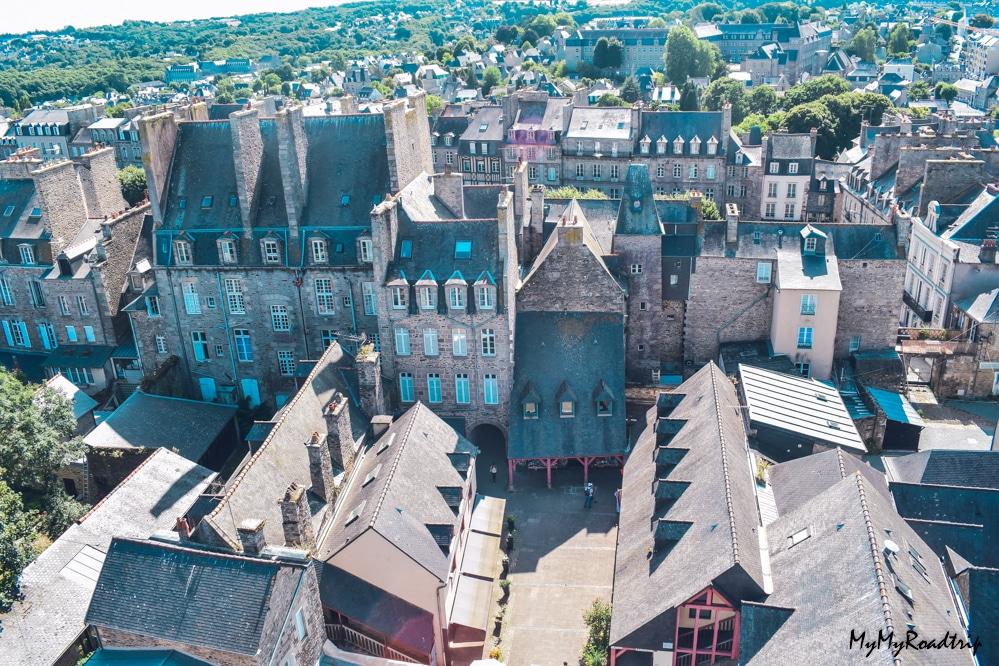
point(520, 190)
point(731, 223)
point(347, 105)
point(296, 518)
point(247, 155)
point(448, 188)
point(987, 252)
point(291, 158)
point(537, 222)
point(369, 379)
point(182, 527)
point(99, 179)
point(158, 135)
point(726, 122)
point(251, 536)
point(320, 468)
point(407, 132)
point(339, 433)
point(379, 425)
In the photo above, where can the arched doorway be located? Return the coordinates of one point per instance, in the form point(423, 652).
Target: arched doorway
point(492, 453)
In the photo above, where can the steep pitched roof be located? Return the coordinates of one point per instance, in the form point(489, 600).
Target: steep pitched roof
point(396, 493)
point(796, 482)
point(57, 586)
point(688, 471)
point(191, 596)
point(961, 469)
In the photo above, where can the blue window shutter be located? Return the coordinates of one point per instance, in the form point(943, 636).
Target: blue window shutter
point(43, 335)
point(24, 333)
point(6, 334)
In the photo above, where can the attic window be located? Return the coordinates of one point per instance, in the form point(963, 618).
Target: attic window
point(798, 537)
point(811, 244)
point(36, 212)
point(904, 590)
point(566, 409)
point(530, 410)
point(181, 203)
point(620, 124)
point(483, 127)
point(463, 249)
point(233, 201)
point(372, 475)
point(604, 408)
point(8, 211)
point(406, 249)
point(355, 513)
point(345, 200)
point(206, 202)
point(583, 124)
point(385, 443)
point(757, 237)
point(877, 235)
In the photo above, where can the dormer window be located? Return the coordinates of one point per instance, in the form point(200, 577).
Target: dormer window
point(644, 145)
point(678, 145)
point(448, 139)
point(604, 407)
point(364, 250)
point(530, 410)
point(566, 409)
point(400, 298)
point(27, 253)
point(271, 251)
point(695, 146)
point(774, 167)
point(320, 251)
point(182, 252)
point(233, 201)
point(456, 298)
point(428, 297)
point(485, 297)
point(206, 201)
point(811, 244)
point(227, 251)
point(661, 145)
point(712, 146)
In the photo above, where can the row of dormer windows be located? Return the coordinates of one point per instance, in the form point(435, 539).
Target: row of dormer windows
point(271, 251)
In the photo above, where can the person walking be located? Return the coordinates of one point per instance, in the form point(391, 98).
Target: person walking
point(617, 500)
point(588, 496)
point(492, 471)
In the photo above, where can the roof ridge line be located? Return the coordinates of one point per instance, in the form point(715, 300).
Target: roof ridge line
point(842, 465)
point(724, 461)
point(882, 588)
point(395, 466)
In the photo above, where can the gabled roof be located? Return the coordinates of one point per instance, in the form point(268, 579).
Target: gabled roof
point(395, 489)
point(57, 586)
point(833, 571)
point(960, 469)
point(194, 597)
point(82, 403)
point(695, 459)
point(797, 482)
point(686, 125)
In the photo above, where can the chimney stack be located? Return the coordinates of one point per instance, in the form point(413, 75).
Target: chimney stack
point(369, 379)
point(251, 536)
point(987, 253)
point(731, 223)
point(321, 469)
point(296, 518)
point(182, 527)
point(380, 425)
point(339, 433)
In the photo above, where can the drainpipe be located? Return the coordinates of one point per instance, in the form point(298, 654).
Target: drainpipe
point(301, 311)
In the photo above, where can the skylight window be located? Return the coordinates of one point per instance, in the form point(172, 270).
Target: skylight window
point(206, 201)
point(8, 211)
point(372, 475)
point(345, 200)
point(463, 249)
point(406, 249)
point(233, 201)
point(36, 212)
point(620, 124)
point(798, 537)
point(355, 513)
point(385, 443)
point(483, 127)
point(181, 203)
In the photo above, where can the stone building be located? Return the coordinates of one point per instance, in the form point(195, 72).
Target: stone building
point(480, 147)
point(597, 146)
point(787, 175)
point(50, 131)
point(66, 245)
point(262, 250)
point(445, 270)
point(806, 45)
point(535, 124)
point(446, 128)
point(643, 46)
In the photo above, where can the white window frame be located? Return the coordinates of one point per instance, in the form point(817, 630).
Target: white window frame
point(199, 343)
point(402, 346)
point(459, 342)
point(320, 255)
point(161, 346)
point(369, 298)
point(192, 302)
point(182, 252)
point(325, 300)
point(280, 320)
point(431, 344)
point(764, 272)
point(364, 250)
point(234, 296)
point(271, 251)
point(485, 298)
point(487, 342)
point(243, 342)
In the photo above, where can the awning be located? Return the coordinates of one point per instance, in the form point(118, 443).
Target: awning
point(487, 515)
point(472, 601)
point(896, 407)
point(481, 555)
point(79, 356)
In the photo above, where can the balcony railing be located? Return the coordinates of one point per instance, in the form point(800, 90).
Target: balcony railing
point(921, 312)
point(345, 636)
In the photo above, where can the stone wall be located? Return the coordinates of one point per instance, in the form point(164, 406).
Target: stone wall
point(407, 131)
point(645, 343)
point(158, 135)
point(292, 151)
point(946, 179)
point(61, 199)
point(117, 638)
point(869, 303)
point(726, 304)
point(247, 155)
point(123, 235)
point(98, 174)
point(282, 635)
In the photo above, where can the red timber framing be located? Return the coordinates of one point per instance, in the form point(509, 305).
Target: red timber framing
point(585, 461)
point(707, 630)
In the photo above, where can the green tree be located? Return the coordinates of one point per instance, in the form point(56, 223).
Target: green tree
point(725, 90)
point(490, 79)
point(568, 192)
point(762, 99)
point(117, 110)
point(132, 180)
point(17, 534)
point(982, 21)
point(615, 53)
point(434, 104)
point(598, 619)
point(600, 53)
point(543, 25)
point(630, 90)
point(689, 100)
point(946, 91)
point(944, 31)
point(709, 210)
point(813, 115)
point(863, 44)
point(899, 40)
point(917, 112)
point(610, 99)
point(681, 52)
point(813, 89)
point(919, 90)
point(750, 16)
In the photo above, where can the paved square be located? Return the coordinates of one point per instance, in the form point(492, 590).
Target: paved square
point(563, 559)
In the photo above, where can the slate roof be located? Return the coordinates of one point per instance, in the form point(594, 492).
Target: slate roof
point(403, 497)
point(571, 356)
point(983, 307)
point(806, 407)
point(202, 166)
point(961, 469)
point(402, 622)
point(817, 272)
point(57, 586)
point(978, 221)
point(600, 123)
point(840, 577)
point(191, 596)
point(895, 406)
point(704, 435)
point(19, 194)
point(684, 124)
point(797, 482)
point(849, 241)
point(486, 124)
point(254, 490)
point(152, 421)
point(82, 403)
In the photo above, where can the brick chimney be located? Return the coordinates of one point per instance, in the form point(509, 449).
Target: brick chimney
point(320, 468)
point(987, 252)
point(292, 149)
point(339, 433)
point(251, 536)
point(296, 518)
point(369, 379)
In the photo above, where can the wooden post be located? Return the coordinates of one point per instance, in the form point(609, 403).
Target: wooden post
point(548, 469)
point(586, 469)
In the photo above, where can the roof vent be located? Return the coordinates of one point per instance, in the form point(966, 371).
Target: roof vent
point(891, 547)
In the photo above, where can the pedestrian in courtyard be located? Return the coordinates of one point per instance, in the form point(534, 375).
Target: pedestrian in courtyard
point(588, 496)
point(617, 500)
point(492, 471)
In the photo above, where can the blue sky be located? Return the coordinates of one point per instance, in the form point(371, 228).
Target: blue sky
point(55, 14)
